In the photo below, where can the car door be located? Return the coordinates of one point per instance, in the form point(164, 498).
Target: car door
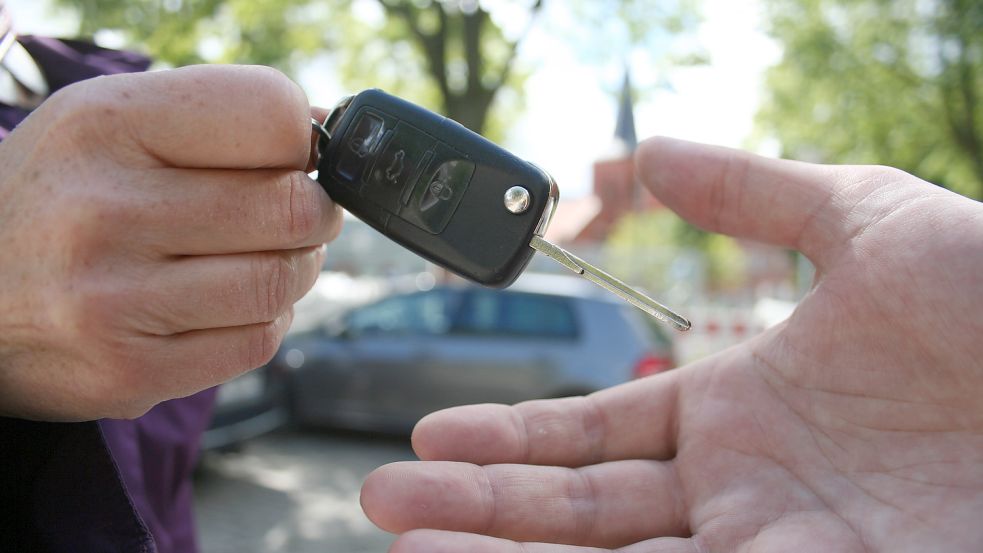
point(503, 347)
point(389, 346)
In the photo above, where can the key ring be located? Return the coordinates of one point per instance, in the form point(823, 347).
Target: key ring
point(330, 122)
point(321, 131)
point(323, 137)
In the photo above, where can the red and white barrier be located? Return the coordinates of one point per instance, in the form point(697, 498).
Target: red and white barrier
point(717, 327)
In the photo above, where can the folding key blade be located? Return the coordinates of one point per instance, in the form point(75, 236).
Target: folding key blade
point(610, 283)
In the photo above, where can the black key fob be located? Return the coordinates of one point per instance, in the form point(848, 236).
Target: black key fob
point(435, 187)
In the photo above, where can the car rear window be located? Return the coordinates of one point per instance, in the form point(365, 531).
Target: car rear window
point(518, 314)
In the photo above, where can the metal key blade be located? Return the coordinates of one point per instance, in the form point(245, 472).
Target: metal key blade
point(610, 283)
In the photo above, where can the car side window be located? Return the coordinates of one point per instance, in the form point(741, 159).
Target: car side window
point(518, 314)
point(422, 313)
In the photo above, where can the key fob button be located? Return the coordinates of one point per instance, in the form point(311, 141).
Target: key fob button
point(397, 167)
point(446, 184)
point(439, 190)
point(359, 144)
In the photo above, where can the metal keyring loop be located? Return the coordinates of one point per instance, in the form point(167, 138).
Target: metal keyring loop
point(324, 137)
point(320, 130)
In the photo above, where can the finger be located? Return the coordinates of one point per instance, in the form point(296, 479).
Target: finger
point(219, 354)
point(228, 211)
point(787, 203)
point(202, 292)
point(214, 116)
point(610, 504)
point(441, 541)
point(637, 420)
point(183, 364)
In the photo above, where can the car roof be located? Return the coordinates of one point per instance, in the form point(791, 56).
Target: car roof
point(559, 285)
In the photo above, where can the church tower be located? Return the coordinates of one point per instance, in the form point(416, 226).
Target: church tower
point(624, 129)
point(615, 185)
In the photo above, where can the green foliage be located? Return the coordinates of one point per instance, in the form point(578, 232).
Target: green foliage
point(455, 56)
point(644, 245)
point(894, 82)
point(183, 32)
point(653, 36)
point(612, 29)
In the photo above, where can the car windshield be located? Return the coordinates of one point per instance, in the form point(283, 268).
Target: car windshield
point(422, 313)
point(490, 312)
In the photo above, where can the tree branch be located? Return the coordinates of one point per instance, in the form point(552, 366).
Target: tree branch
point(433, 45)
point(506, 69)
point(473, 25)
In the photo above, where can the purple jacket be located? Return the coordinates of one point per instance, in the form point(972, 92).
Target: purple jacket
point(98, 486)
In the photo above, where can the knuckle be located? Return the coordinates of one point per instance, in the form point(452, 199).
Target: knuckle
point(336, 220)
point(272, 275)
point(107, 211)
point(725, 198)
point(68, 102)
point(262, 343)
point(159, 314)
point(288, 109)
point(66, 120)
point(90, 229)
point(279, 91)
point(287, 91)
point(300, 208)
point(890, 174)
point(874, 175)
point(92, 114)
point(94, 311)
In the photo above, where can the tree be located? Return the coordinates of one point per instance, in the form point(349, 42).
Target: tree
point(455, 56)
point(897, 82)
point(643, 247)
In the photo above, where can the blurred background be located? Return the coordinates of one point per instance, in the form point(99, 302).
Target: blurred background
point(572, 86)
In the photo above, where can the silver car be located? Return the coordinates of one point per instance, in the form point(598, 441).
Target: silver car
point(391, 362)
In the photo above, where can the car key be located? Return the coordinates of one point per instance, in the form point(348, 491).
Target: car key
point(447, 194)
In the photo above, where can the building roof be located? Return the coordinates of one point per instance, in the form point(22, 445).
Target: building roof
point(572, 216)
point(624, 130)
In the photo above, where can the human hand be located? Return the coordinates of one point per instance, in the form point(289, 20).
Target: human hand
point(156, 229)
point(854, 426)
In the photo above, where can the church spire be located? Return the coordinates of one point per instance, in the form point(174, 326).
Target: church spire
point(624, 130)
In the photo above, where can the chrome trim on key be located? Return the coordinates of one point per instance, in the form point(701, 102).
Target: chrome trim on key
point(551, 201)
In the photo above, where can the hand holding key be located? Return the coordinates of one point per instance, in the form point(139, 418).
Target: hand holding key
point(854, 426)
point(156, 230)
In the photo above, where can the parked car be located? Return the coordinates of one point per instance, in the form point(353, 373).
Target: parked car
point(389, 363)
point(247, 406)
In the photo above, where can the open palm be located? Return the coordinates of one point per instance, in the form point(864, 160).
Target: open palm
point(855, 425)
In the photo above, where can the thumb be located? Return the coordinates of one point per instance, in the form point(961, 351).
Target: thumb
point(785, 203)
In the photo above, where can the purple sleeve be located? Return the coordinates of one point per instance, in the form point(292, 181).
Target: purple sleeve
point(156, 455)
point(99, 486)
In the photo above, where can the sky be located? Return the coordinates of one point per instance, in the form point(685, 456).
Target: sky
point(571, 113)
point(570, 110)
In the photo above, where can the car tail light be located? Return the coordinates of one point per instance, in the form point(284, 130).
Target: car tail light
point(651, 364)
